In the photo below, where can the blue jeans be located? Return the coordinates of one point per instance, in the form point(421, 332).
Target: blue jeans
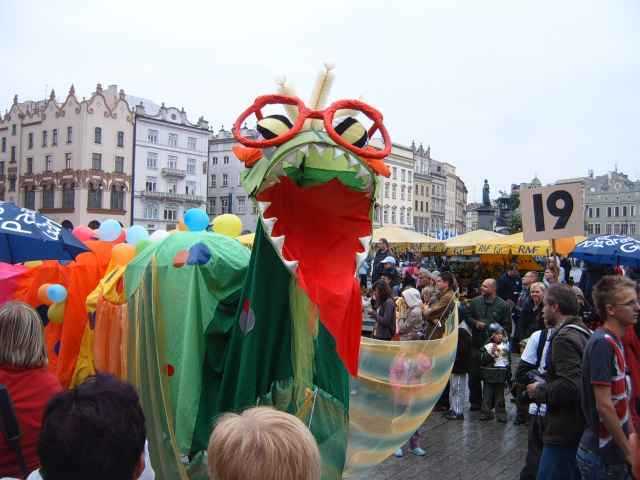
point(592, 467)
point(558, 463)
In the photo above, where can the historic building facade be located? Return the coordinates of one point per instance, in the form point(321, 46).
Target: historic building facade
point(70, 159)
point(422, 191)
point(170, 167)
point(225, 193)
point(394, 203)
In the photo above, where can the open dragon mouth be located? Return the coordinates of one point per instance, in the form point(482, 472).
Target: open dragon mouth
point(315, 203)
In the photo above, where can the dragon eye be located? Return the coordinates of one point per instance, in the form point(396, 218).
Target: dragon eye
point(352, 131)
point(273, 126)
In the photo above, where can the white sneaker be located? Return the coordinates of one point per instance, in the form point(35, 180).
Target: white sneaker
point(399, 453)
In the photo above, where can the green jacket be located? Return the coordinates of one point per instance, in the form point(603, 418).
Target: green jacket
point(488, 312)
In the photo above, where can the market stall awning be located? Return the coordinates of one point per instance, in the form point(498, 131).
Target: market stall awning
point(466, 243)
point(396, 235)
point(515, 245)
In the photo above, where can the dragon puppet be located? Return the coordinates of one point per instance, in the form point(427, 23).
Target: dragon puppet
point(289, 336)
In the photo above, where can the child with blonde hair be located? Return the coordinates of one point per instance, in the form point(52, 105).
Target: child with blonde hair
point(264, 444)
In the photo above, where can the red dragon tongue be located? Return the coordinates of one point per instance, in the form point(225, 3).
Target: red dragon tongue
point(324, 227)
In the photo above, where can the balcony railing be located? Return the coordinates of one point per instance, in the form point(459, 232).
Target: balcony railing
point(174, 172)
point(172, 197)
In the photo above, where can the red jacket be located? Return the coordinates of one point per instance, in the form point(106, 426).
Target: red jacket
point(30, 390)
point(631, 345)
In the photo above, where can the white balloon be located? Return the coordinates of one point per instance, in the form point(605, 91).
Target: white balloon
point(158, 235)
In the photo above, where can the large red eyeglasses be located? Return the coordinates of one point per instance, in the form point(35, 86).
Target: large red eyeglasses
point(327, 116)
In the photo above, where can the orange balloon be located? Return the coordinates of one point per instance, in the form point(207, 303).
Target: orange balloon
point(123, 253)
point(564, 246)
point(181, 226)
point(42, 294)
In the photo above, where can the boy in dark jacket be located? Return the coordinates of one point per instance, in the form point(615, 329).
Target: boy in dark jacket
point(494, 359)
point(460, 373)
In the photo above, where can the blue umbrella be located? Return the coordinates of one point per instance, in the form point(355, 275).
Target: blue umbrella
point(26, 235)
point(609, 250)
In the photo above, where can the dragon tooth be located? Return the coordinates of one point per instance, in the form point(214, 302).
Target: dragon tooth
point(262, 206)
point(304, 149)
point(278, 243)
point(292, 265)
point(268, 224)
point(362, 172)
point(365, 242)
point(278, 170)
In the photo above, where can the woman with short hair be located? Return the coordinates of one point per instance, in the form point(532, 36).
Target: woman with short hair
point(23, 371)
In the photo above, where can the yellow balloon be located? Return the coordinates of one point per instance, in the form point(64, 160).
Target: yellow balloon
point(33, 263)
point(227, 224)
point(56, 312)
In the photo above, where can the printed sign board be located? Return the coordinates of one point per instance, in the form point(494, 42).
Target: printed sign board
point(552, 212)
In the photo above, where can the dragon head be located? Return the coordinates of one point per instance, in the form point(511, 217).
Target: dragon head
point(314, 175)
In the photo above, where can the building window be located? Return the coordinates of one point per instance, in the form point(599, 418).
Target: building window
point(242, 204)
point(395, 174)
point(608, 229)
point(224, 204)
point(120, 139)
point(624, 211)
point(616, 229)
point(151, 211)
point(213, 181)
point(633, 211)
point(597, 212)
point(376, 214)
point(191, 166)
point(402, 192)
point(152, 136)
point(95, 196)
point(69, 134)
point(1, 169)
point(191, 143)
point(29, 165)
point(30, 140)
point(409, 189)
point(170, 213)
point(590, 229)
point(13, 154)
point(44, 138)
point(96, 161)
point(30, 199)
point(417, 208)
point(409, 176)
point(12, 184)
point(226, 160)
point(394, 192)
point(150, 185)
point(590, 212)
point(386, 190)
point(225, 180)
point(13, 129)
point(393, 215)
point(48, 163)
point(408, 216)
point(152, 160)
point(172, 187)
point(385, 215)
point(214, 161)
point(596, 229)
point(97, 135)
point(54, 137)
point(212, 205)
point(190, 188)
point(117, 197)
point(254, 208)
point(402, 216)
point(173, 139)
point(624, 229)
point(47, 197)
point(172, 162)
point(67, 161)
point(632, 229)
point(617, 211)
point(4, 144)
point(68, 196)
point(119, 164)
point(403, 174)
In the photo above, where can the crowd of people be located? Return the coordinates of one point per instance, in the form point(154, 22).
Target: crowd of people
point(576, 384)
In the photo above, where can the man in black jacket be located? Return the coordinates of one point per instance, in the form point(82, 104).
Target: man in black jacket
point(382, 253)
point(560, 390)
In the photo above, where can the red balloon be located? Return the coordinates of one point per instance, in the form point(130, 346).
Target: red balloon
point(83, 233)
point(122, 237)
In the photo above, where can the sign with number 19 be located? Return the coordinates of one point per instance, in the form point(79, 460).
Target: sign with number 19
point(552, 212)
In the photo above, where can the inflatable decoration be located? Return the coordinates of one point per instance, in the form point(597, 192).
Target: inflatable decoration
point(136, 234)
point(109, 230)
point(227, 224)
point(210, 334)
point(158, 235)
point(56, 293)
point(196, 220)
point(83, 233)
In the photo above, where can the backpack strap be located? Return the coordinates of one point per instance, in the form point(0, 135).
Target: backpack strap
point(542, 339)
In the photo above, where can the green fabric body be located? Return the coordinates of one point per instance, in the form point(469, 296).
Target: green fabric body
point(288, 360)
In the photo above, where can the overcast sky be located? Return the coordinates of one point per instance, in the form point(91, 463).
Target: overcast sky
point(504, 90)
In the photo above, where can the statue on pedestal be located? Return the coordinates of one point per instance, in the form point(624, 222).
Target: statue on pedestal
point(485, 194)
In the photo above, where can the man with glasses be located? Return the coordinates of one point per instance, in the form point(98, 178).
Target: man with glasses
point(604, 451)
